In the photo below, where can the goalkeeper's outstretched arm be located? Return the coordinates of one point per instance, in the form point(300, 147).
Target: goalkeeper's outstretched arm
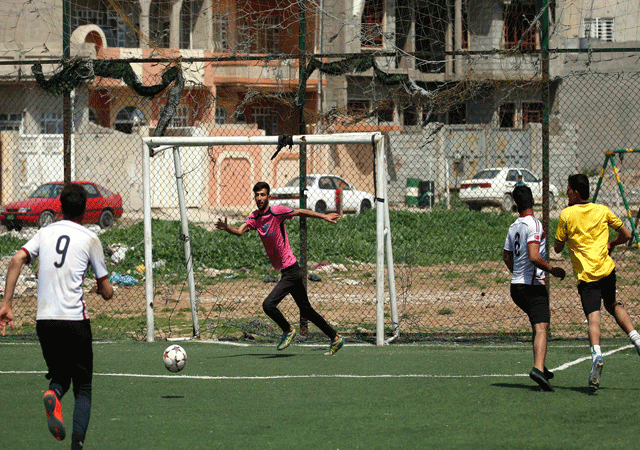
point(331, 217)
point(238, 231)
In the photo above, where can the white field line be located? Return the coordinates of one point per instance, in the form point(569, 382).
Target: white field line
point(588, 358)
point(452, 345)
point(271, 377)
point(284, 377)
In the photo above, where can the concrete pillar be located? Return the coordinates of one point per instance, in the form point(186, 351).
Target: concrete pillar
point(448, 46)
point(145, 7)
point(458, 36)
point(208, 11)
point(174, 28)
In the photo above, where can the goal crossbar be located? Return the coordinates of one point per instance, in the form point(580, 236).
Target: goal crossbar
point(154, 145)
point(339, 138)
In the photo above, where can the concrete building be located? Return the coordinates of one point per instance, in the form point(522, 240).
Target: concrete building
point(109, 118)
point(471, 107)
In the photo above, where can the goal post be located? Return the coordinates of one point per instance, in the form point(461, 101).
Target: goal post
point(154, 145)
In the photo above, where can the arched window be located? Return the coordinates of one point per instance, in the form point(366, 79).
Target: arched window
point(129, 117)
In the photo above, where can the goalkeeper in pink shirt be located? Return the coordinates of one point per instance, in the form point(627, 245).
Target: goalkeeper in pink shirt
point(268, 221)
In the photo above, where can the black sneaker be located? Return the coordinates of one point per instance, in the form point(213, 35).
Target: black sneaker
point(548, 373)
point(537, 376)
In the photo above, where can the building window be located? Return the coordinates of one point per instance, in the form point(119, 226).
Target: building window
point(372, 24)
point(458, 114)
point(244, 35)
point(519, 26)
point(258, 36)
point(432, 23)
point(409, 116)
point(429, 116)
point(384, 114)
point(266, 119)
point(465, 25)
point(358, 108)
point(220, 33)
point(51, 123)
point(267, 35)
point(181, 117)
point(221, 115)
point(118, 32)
point(10, 122)
point(129, 117)
point(187, 22)
point(507, 115)
point(598, 29)
point(532, 113)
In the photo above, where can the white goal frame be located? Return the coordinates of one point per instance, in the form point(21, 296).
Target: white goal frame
point(153, 145)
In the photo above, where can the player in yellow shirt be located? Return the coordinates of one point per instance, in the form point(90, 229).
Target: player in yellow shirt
point(584, 227)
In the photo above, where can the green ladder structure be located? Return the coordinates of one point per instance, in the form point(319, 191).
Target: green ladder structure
point(609, 157)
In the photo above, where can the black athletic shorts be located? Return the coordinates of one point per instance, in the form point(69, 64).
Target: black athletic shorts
point(67, 350)
point(533, 300)
point(591, 293)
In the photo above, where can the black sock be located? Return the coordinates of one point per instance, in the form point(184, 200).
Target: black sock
point(55, 387)
point(76, 444)
point(81, 415)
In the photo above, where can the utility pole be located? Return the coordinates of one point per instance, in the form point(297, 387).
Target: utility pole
point(546, 97)
point(67, 119)
point(301, 100)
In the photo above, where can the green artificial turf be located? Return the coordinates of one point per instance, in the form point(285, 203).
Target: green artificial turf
point(253, 397)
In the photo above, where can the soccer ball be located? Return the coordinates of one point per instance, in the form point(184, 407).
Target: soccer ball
point(174, 358)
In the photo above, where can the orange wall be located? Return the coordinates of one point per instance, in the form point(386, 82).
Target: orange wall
point(99, 103)
point(235, 184)
point(230, 169)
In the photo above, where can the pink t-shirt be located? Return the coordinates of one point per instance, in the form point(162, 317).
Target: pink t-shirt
point(270, 227)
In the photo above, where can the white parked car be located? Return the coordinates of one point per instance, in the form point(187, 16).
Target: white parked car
point(493, 187)
point(321, 194)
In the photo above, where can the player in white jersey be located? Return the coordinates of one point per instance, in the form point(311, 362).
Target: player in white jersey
point(64, 249)
point(525, 255)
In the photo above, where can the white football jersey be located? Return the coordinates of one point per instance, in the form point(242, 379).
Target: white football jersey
point(64, 250)
point(525, 230)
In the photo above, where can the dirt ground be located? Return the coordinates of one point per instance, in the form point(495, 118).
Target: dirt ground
point(445, 300)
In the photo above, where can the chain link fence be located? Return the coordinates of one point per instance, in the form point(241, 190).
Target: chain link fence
point(447, 234)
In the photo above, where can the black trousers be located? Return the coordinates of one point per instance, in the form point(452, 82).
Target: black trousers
point(67, 350)
point(292, 282)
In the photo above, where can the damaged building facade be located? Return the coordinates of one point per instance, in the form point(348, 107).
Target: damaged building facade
point(456, 86)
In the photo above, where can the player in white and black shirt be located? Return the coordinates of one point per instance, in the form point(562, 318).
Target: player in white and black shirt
point(64, 249)
point(525, 253)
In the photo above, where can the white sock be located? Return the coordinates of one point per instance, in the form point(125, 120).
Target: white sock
point(634, 337)
point(595, 351)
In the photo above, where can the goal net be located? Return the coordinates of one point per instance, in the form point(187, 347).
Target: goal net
point(191, 182)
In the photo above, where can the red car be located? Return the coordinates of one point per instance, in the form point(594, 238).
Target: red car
point(43, 207)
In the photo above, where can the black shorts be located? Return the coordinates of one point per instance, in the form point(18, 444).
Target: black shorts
point(533, 300)
point(591, 293)
point(67, 350)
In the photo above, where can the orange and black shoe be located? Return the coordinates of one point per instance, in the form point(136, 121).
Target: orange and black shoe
point(54, 415)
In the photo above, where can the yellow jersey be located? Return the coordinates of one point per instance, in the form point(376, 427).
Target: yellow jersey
point(585, 229)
